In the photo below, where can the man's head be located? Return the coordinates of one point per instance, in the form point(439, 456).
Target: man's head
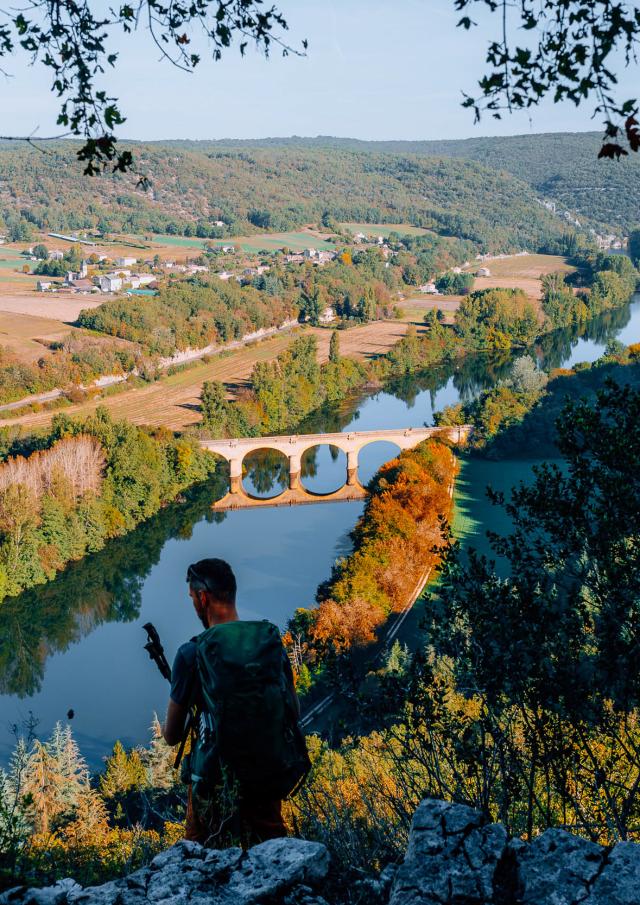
point(212, 588)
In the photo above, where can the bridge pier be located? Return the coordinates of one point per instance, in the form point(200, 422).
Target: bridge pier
point(295, 470)
point(235, 475)
point(352, 467)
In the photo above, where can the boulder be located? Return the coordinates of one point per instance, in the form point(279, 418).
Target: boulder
point(452, 857)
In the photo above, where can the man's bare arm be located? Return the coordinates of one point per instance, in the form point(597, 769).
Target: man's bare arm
point(173, 728)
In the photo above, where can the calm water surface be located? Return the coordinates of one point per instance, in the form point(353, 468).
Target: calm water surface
point(77, 642)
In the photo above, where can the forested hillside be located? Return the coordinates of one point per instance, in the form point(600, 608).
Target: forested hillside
point(273, 189)
point(559, 166)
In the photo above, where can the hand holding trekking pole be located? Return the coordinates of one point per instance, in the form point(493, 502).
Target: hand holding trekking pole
point(156, 651)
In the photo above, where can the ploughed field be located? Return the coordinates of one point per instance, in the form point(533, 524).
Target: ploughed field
point(520, 273)
point(174, 401)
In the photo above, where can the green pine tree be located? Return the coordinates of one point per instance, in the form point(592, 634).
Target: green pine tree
point(334, 348)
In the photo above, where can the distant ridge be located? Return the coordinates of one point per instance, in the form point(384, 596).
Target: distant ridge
point(483, 189)
point(559, 166)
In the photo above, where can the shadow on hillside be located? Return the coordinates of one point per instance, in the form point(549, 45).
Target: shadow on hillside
point(535, 436)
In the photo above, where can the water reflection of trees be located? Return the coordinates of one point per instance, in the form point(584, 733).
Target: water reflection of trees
point(103, 587)
point(267, 470)
point(555, 348)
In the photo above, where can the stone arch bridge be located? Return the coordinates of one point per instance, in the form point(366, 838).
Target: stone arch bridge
point(294, 447)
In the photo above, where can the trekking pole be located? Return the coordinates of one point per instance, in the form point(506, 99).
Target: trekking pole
point(156, 651)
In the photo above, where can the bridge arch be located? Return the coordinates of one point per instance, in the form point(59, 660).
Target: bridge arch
point(323, 469)
point(265, 473)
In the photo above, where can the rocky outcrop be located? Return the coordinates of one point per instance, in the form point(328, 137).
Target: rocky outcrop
point(278, 872)
point(454, 857)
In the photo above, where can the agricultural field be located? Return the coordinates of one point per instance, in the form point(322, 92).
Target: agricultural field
point(61, 307)
point(383, 229)
point(522, 272)
point(168, 246)
point(27, 336)
point(415, 307)
point(11, 277)
point(174, 400)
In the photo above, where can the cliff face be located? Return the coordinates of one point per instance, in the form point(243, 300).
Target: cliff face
point(453, 858)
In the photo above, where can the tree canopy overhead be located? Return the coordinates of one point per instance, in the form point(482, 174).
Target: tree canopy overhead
point(74, 42)
point(568, 53)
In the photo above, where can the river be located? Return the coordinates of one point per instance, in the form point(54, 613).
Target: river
point(76, 643)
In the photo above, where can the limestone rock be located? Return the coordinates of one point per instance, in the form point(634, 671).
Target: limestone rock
point(451, 857)
point(281, 871)
point(558, 868)
point(618, 883)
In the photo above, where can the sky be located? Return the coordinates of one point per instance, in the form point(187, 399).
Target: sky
point(373, 70)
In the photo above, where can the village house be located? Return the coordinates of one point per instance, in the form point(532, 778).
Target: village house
point(224, 275)
point(81, 274)
point(359, 237)
point(82, 285)
point(327, 316)
point(323, 257)
point(43, 286)
point(294, 259)
point(136, 280)
point(429, 289)
point(110, 283)
point(125, 261)
point(483, 272)
point(56, 255)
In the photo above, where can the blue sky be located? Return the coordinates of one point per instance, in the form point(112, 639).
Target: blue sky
point(374, 70)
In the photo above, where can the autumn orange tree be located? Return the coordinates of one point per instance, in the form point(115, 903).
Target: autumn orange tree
point(396, 543)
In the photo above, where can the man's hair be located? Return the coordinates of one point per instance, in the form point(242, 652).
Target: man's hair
point(215, 576)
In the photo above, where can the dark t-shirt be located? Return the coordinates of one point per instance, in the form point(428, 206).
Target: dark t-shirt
point(185, 681)
point(183, 674)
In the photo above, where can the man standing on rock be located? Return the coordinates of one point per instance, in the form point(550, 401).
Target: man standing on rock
point(232, 694)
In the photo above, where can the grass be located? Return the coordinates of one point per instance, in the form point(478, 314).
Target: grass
point(383, 229)
point(296, 241)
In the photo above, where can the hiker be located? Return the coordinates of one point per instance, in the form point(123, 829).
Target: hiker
point(247, 751)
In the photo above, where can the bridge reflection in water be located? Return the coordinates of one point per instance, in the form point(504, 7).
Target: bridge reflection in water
point(294, 447)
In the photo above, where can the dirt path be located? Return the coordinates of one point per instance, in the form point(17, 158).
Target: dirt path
point(174, 401)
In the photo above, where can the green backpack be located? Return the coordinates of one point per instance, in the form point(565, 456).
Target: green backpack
point(248, 728)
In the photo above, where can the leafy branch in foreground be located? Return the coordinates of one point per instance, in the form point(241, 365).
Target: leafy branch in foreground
point(570, 56)
point(73, 42)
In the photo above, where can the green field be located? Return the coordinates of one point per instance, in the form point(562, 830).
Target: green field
point(10, 258)
point(383, 229)
point(295, 241)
